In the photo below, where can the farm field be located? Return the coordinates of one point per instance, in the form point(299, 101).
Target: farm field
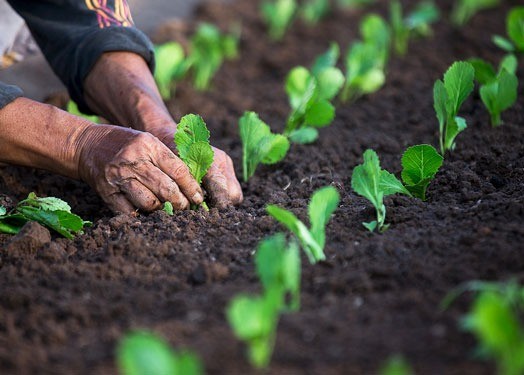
point(64, 304)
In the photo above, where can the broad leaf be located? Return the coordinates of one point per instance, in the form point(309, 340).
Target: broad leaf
point(326, 60)
point(300, 87)
point(459, 83)
point(515, 27)
point(198, 159)
point(389, 184)
point(191, 129)
point(171, 65)
point(319, 114)
point(484, 71)
point(303, 135)
point(329, 82)
point(323, 203)
point(420, 164)
point(499, 95)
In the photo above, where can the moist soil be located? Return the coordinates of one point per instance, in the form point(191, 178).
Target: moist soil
point(65, 304)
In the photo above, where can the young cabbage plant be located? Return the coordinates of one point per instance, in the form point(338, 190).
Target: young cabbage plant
point(312, 11)
point(418, 22)
point(449, 95)
point(209, 48)
point(72, 108)
point(141, 353)
point(323, 204)
point(499, 95)
point(192, 143)
point(420, 164)
point(259, 144)
point(396, 365)
point(171, 67)
point(374, 183)
point(485, 72)
point(278, 15)
point(278, 268)
point(515, 30)
point(310, 98)
point(464, 10)
point(375, 30)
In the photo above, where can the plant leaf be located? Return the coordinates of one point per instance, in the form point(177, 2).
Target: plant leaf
point(323, 203)
point(515, 27)
point(499, 95)
point(320, 113)
point(389, 184)
point(198, 159)
point(171, 65)
point(420, 164)
point(329, 81)
point(191, 129)
point(326, 60)
point(484, 71)
point(459, 83)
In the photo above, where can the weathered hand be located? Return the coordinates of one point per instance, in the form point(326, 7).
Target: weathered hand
point(131, 169)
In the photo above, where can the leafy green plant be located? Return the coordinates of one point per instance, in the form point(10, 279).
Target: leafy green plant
point(171, 66)
point(259, 145)
point(140, 353)
point(374, 183)
point(278, 268)
point(192, 143)
point(278, 15)
point(396, 365)
point(72, 108)
point(322, 205)
point(51, 212)
point(515, 31)
point(417, 22)
point(310, 95)
point(449, 95)
point(464, 10)
point(485, 72)
point(209, 48)
point(312, 11)
point(420, 164)
point(168, 208)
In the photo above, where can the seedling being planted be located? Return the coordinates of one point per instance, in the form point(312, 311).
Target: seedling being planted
point(374, 183)
point(415, 23)
point(312, 11)
point(140, 353)
point(449, 95)
point(322, 205)
point(515, 30)
point(464, 10)
point(278, 15)
point(171, 66)
point(209, 49)
point(420, 164)
point(278, 268)
point(259, 145)
point(192, 143)
point(51, 212)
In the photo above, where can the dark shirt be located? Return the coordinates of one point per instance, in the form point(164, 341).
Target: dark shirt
point(73, 34)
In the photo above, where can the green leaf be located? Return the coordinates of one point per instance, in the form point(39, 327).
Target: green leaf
point(484, 71)
point(319, 114)
point(300, 86)
point(313, 11)
point(396, 365)
point(375, 30)
point(199, 158)
point(326, 60)
point(465, 9)
point(63, 222)
point(278, 15)
point(168, 208)
point(191, 129)
point(420, 164)
point(12, 224)
point(440, 98)
point(503, 43)
point(3, 210)
point(515, 27)
point(459, 83)
point(323, 204)
point(389, 184)
point(425, 13)
point(171, 65)
point(47, 203)
point(303, 135)
point(499, 95)
point(510, 63)
point(329, 82)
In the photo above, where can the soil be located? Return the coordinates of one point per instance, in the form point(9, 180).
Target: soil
point(64, 304)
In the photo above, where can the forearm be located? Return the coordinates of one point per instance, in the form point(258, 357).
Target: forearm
point(122, 89)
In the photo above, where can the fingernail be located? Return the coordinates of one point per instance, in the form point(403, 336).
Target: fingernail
point(197, 198)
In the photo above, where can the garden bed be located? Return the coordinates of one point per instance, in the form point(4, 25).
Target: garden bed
point(64, 305)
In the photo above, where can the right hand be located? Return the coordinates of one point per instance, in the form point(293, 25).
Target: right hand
point(133, 170)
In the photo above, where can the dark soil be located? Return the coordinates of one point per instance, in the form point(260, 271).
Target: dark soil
point(64, 304)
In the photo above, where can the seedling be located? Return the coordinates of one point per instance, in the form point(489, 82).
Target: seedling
point(278, 15)
point(416, 23)
point(141, 353)
point(396, 365)
point(168, 208)
point(485, 73)
point(278, 267)
point(51, 212)
point(310, 95)
point(209, 49)
point(375, 30)
point(449, 95)
point(192, 143)
point(420, 164)
point(374, 183)
point(464, 10)
point(312, 11)
point(259, 145)
point(499, 95)
point(515, 30)
point(171, 66)
point(322, 205)
point(72, 108)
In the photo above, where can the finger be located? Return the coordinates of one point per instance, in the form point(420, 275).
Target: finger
point(119, 204)
point(235, 191)
point(164, 188)
point(179, 172)
point(216, 185)
point(140, 196)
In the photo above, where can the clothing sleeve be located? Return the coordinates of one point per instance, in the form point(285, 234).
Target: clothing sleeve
point(8, 93)
point(73, 34)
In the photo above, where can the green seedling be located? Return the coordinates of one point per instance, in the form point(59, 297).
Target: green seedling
point(464, 10)
point(418, 22)
point(209, 49)
point(396, 365)
point(374, 183)
point(420, 164)
point(259, 145)
point(278, 268)
point(375, 30)
point(322, 205)
point(499, 95)
point(312, 11)
point(192, 143)
point(168, 208)
point(279, 15)
point(515, 30)
point(140, 353)
point(485, 72)
point(449, 95)
point(310, 95)
point(51, 212)
point(171, 66)
point(72, 108)
point(351, 4)
point(254, 320)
